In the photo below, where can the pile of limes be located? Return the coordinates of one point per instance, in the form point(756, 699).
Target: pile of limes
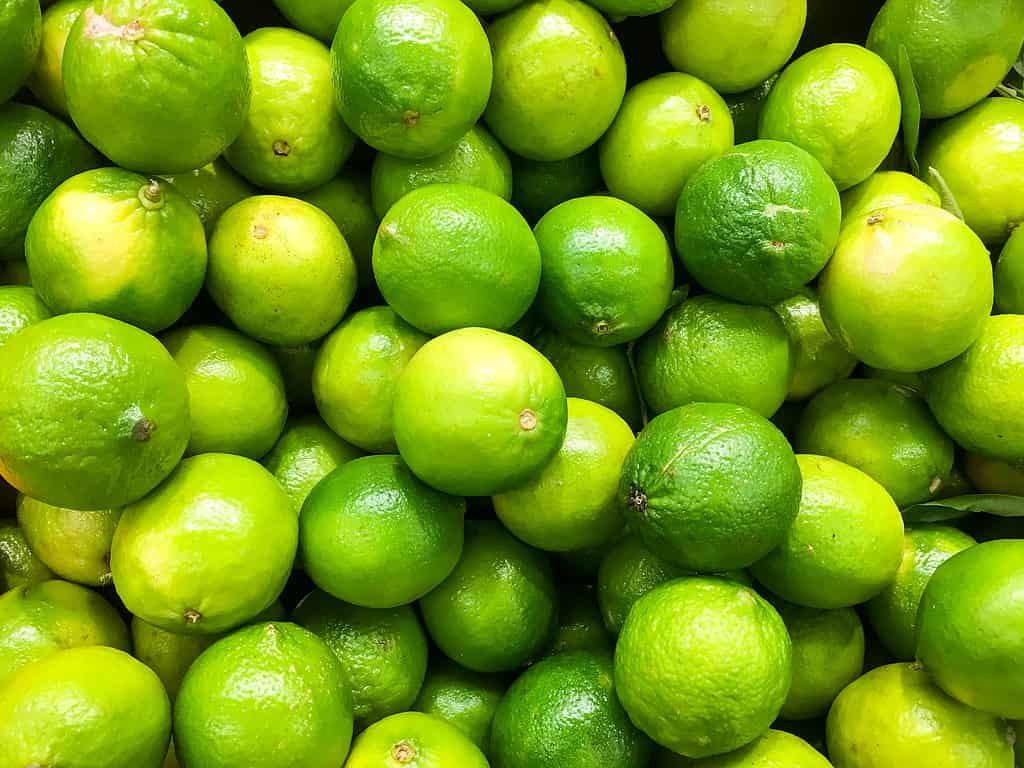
point(511, 384)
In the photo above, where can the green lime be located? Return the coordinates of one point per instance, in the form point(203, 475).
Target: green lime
point(280, 269)
point(733, 45)
point(382, 651)
point(20, 32)
point(894, 715)
point(608, 271)
point(908, 288)
point(957, 53)
point(882, 429)
point(450, 256)
point(476, 412)
point(169, 655)
point(540, 185)
point(314, 17)
point(87, 706)
point(773, 749)
point(464, 698)
point(884, 189)
point(293, 138)
point(211, 189)
point(580, 625)
point(47, 81)
point(18, 564)
point(559, 78)
point(708, 349)
point(1009, 275)
point(117, 386)
point(994, 476)
point(538, 722)
point(20, 307)
point(724, 664)
point(975, 397)
point(629, 571)
point(410, 76)
point(74, 545)
point(666, 128)
point(745, 108)
point(758, 222)
point(840, 103)
point(236, 392)
point(209, 549)
point(296, 364)
point(845, 545)
point(414, 740)
point(710, 486)
point(498, 609)
point(265, 696)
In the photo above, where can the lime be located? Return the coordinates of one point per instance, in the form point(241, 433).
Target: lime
point(845, 545)
point(414, 740)
point(20, 33)
point(209, 549)
point(464, 698)
point(884, 189)
point(559, 78)
point(708, 349)
point(265, 696)
point(745, 108)
point(773, 749)
point(733, 45)
point(382, 651)
point(46, 81)
point(703, 665)
point(758, 222)
point(280, 269)
point(167, 654)
point(975, 397)
point(477, 412)
point(882, 429)
point(666, 128)
point(293, 138)
point(18, 565)
point(538, 722)
point(236, 392)
point(607, 273)
point(629, 571)
point(92, 706)
point(117, 386)
point(410, 76)
point(893, 715)
point(498, 609)
point(908, 288)
point(20, 307)
point(318, 18)
point(296, 364)
point(957, 53)
point(183, 84)
point(211, 189)
point(540, 185)
point(994, 476)
point(450, 256)
point(74, 545)
point(1009, 275)
point(476, 159)
point(962, 636)
point(580, 626)
point(841, 104)
point(573, 502)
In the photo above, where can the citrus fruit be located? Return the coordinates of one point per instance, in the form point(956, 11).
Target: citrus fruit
point(666, 128)
point(974, 397)
point(994, 476)
point(74, 545)
point(498, 608)
point(884, 189)
point(540, 185)
point(183, 84)
point(629, 571)
point(573, 502)
point(883, 429)
point(908, 288)
point(414, 740)
point(773, 749)
point(46, 81)
point(382, 651)
point(978, 156)
point(559, 78)
point(708, 349)
point(293, 138)
point(464, 698)
point(20, 307)
point(828, 654)
point(20, 34)
point(296, 364)
point(607, 270)
point(41, 619)
point(476, 159)
point(845, 545)
point(61, 710)
point(841, 104)
point(268, 695)
point(119, 388)
point(449, 256)
point(18, 565)
point(211, 189)
point(280, 269)
point(957, 53)
point(538, 722)
point(580, 626)
point(894, 715)
point(1009, 276)
point(745, 108)
point(318, 18)
point(477, 412)
point(410, 76)
point(114, 242)
point(733, 45)
point(236, 392)
point(209, 549)
point(962, 638)
point(710, 486)
point(758, 222)
point(167, 654)
point(703, 665)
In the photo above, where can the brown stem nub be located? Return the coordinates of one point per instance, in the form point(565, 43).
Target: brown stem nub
point(192, 616)
point(637, 499)
point(875, 218)
point(410, 118)
point(704, 113)
point(142, 430)
point(527, 419)
point(403, 752)
point(282, 148)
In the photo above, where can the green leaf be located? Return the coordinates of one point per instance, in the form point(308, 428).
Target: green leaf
point(948, 200)
point(911, 108)
point(1002, 505)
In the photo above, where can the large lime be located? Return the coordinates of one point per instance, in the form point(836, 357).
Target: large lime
point(414, 740)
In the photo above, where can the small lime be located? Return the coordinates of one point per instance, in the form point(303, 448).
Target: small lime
point(74, 545)
point(464, 698)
